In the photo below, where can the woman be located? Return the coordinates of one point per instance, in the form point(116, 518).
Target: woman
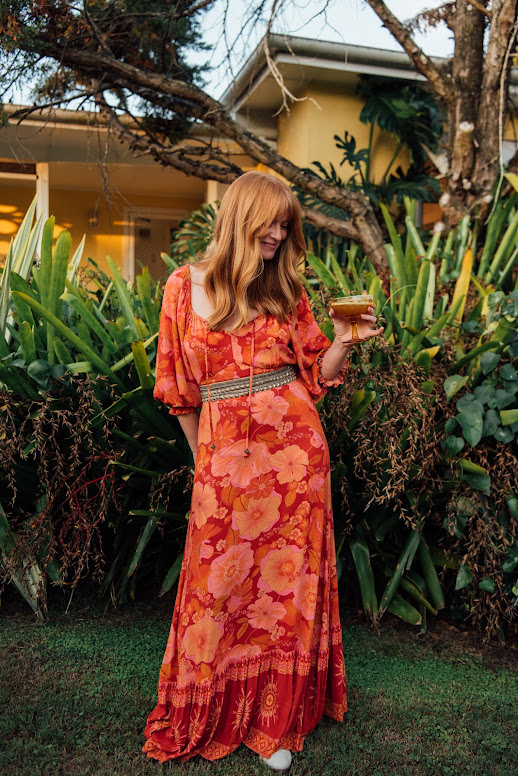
point(255, 650)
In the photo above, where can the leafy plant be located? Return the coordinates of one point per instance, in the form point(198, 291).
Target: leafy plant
point(108, 487)
point(194, 233)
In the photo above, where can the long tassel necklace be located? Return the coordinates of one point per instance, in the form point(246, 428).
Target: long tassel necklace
point(252, 351)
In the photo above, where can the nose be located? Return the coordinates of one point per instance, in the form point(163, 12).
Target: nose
point(276, 231)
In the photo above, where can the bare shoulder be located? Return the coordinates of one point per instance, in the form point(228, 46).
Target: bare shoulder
point(197, 274)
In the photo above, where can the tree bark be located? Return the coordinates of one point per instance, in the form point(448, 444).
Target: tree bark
point(469, 28)
point(493, 95)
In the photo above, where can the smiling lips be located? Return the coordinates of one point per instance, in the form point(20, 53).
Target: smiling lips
point(269, 248)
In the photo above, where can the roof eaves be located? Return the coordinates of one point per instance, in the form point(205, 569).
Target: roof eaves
point(317, 53)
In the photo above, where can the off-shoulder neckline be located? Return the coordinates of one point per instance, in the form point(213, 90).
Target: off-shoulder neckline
point(204, 320)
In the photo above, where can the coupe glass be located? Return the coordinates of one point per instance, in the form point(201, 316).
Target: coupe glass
point(352, 307)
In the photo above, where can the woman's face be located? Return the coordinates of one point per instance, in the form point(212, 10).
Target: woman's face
point(274, 236)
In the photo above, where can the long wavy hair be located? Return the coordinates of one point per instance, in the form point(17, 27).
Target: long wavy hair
point(237, 278)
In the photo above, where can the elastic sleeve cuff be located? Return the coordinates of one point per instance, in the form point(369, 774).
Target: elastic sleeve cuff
point(182, 410)
point(340, 377)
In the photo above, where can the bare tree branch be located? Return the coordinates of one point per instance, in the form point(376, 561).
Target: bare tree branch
point(480, 8)
point(181, 159)
point(440, 81)
point(339, 228)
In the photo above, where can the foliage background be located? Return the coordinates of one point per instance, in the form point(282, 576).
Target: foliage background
point(423, 440)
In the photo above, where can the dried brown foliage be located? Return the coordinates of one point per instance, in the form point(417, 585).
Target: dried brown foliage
point(58, 484)
point(395, 452)
point(396, 443)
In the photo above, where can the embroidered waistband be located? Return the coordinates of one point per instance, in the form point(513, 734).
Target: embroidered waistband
point(232, 389)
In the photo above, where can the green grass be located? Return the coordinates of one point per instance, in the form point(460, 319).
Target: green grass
point(74, 695)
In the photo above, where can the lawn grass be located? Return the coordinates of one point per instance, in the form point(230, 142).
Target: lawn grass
point(75, 692)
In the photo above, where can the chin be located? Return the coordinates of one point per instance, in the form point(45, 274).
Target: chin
point(269, 253)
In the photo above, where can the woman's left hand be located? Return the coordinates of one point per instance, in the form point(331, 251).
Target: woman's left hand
point(364, 322)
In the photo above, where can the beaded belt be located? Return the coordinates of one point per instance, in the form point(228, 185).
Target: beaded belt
point(231, 389)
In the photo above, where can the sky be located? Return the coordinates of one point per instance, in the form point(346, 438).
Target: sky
point(346, 21)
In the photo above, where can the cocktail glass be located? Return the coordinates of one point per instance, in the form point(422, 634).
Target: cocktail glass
point(352, 307)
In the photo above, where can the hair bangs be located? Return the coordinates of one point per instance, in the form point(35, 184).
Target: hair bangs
point(274, 202)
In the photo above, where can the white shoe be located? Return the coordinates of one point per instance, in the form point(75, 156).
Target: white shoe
point(279, 761)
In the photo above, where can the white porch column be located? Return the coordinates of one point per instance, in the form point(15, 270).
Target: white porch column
point(211, 191)
point(42, 190)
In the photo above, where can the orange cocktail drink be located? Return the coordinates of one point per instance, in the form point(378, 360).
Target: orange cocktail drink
point(352, 307)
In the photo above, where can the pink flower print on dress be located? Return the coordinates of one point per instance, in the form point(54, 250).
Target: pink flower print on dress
point(186, 673)
point(241, 468)
point(280, 569)
point(316, 481)
point(265, 612)
point(164, 384)
point(301, 392)
point(204, 503)
point(262, 487)
point(201, 640)
point(240, 652)
point(317, 440)
point(230, 569)
point(306, 589)
point(253, 517)
point(268, 408)
point(290, 463)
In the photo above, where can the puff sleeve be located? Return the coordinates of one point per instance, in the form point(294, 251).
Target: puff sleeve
point(309, 345)
point(175, 384)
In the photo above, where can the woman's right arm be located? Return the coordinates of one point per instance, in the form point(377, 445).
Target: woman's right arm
point(189, 422)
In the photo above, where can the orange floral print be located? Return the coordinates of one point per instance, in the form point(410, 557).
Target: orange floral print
point(268, 408)
point(280, 568)
point(254, 654)
point(290, 463)
point(201, 640)
point(230, 569)
point(241, 468)
point(266, 612)
point(203, 504)
point(256, 516)
point(306, 595)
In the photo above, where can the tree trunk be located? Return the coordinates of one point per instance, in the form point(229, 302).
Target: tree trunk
point(462, 112)
point(493, 96)
point(474, 96)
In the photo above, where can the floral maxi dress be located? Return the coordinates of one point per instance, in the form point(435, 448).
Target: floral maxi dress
point(254, 654)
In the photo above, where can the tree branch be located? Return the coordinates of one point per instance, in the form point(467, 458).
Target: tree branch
point(338, 228)
point(441, 82)
point(480, 8)
point(189, 100)
point(181, 160)
point(172, 157)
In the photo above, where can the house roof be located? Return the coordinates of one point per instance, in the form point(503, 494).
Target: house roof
point(256, 98)
point(302, 61)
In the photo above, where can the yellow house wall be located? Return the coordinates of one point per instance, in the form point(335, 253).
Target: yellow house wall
point(14, 203)
point(107, 237)
point(306, 133)
point(70, 208)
